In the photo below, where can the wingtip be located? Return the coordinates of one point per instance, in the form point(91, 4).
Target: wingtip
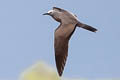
point(95, 30)
point(60, 74)
point(57, 8)
point(54, 7)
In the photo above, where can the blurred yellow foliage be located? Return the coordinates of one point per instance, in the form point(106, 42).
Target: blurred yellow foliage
point(42, 71)
point(39, 71)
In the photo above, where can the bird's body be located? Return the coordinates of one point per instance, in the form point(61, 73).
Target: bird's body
point(68, 22)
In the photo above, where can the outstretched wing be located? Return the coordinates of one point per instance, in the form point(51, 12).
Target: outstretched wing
point(62, 36)
point(87, 27)
point(61, 53)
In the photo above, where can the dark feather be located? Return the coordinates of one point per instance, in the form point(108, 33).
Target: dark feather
point(62, 36)
point(87, 27)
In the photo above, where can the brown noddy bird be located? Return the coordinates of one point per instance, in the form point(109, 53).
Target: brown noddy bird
point(68, 23)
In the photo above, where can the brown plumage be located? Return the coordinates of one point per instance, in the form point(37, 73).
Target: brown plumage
point(62, 36)
point(63, 33)
point(87, 27)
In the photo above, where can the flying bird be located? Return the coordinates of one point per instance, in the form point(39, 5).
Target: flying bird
point(68, 23)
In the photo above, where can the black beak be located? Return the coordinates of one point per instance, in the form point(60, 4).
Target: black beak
point(46, 14)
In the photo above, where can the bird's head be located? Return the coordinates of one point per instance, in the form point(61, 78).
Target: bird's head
point(50, 12)
point(55, 13)
point(55, 10)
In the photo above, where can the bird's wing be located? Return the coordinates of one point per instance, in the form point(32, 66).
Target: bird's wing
point(56, 8)
point(62, 36)
point(87, 27)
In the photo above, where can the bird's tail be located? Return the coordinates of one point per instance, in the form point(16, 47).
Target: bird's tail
point(87, 27)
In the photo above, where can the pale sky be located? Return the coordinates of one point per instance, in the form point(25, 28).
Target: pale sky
point(26, 36)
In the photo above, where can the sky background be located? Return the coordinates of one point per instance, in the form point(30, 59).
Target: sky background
point(26, 36)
